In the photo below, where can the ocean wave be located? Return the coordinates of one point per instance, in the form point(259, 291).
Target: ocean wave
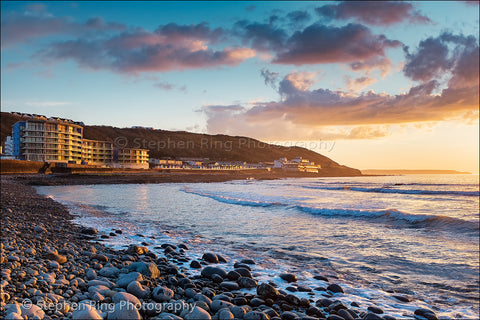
point(233, 200)
point(397, 217)
point(400, 191)
point(393, 215)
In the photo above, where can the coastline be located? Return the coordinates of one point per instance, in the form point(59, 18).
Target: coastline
point(53, 261)
point(157, 177)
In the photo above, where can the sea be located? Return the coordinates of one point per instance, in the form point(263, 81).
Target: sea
point(379, 237)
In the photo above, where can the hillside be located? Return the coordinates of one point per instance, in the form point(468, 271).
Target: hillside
point(176, 144)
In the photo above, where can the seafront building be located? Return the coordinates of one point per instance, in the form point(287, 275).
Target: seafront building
point(61, 141)
point(48, 140)
point(97, 152)
point(297, 164)
point(130, 158)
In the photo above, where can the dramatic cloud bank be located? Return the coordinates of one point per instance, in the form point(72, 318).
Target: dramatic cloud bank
point(170, 47)
point(19, 28)
point(302, 111)
point(382, 13)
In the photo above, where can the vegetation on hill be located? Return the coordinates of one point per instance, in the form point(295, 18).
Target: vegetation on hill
point(181, 144)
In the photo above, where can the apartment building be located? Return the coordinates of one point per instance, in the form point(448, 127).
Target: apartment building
point(297, 164)
point(130, 158)
point(97, 152)
point(49, 140)
point(61, 140)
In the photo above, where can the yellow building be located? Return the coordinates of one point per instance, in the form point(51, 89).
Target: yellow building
point(61, 140)
point(131, 158)
point(51, 140)
point(97, 152)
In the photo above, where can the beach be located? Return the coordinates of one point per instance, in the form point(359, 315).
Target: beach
point(53, 268)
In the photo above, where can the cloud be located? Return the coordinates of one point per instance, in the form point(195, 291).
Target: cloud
point(170, 47)
point(260, 36)
point(301, 81)
point(175, 33)
point(164, 85)
point(383, 64)
point(317, 43)
point(328, 44)
point(359, 84)
point(306, 112)
point(269, 77)
point(231, 120)
point(298, 18)
point(447, 54)
point(19, 28)
point(381, 13)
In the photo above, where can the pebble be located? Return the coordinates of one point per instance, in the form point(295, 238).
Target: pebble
point(32, 311)
point(197, 314)
point(138, 290)
point(426, 313)
point(335, 288)
point(266, 290)
point(148, 269)
point(229, 285)
point(372, 316)
point(374, 309)
point(210, 257)
point(209, 271)
point(289, 277)
point(246, 282)
point(109, 272)
point(162, 294)
point(122, 311)
point(123, 296)
point(244, 272)
point(195, 264)
point(345, 314)
point(220, 304)
point(255, 315)
point(224, 314)
point(126, 278)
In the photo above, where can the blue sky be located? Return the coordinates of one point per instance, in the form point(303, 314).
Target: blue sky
point(398, 79)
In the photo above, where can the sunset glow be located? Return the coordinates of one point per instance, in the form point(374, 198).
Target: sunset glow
point(386, 85)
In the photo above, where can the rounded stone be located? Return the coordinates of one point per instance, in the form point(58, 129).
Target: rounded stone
point(224, 314)
point(266, 290)
point(426, 313)
point(124, 296)
point(220, 304)
point(161, 294)
point(246, 282)
point(195, 264)
point(256, 315)
point(197, 314)
point(210, 257)
point(122, 311)
point(229, 285)
point(138, 290)
point(289, 277)
point(374, 309)
point(335, 288)
point(209, 271)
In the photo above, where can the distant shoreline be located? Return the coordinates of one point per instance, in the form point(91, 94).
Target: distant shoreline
point(157, 177)
point(404, 171)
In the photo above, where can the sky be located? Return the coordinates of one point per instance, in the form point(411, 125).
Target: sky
point(372, 85)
